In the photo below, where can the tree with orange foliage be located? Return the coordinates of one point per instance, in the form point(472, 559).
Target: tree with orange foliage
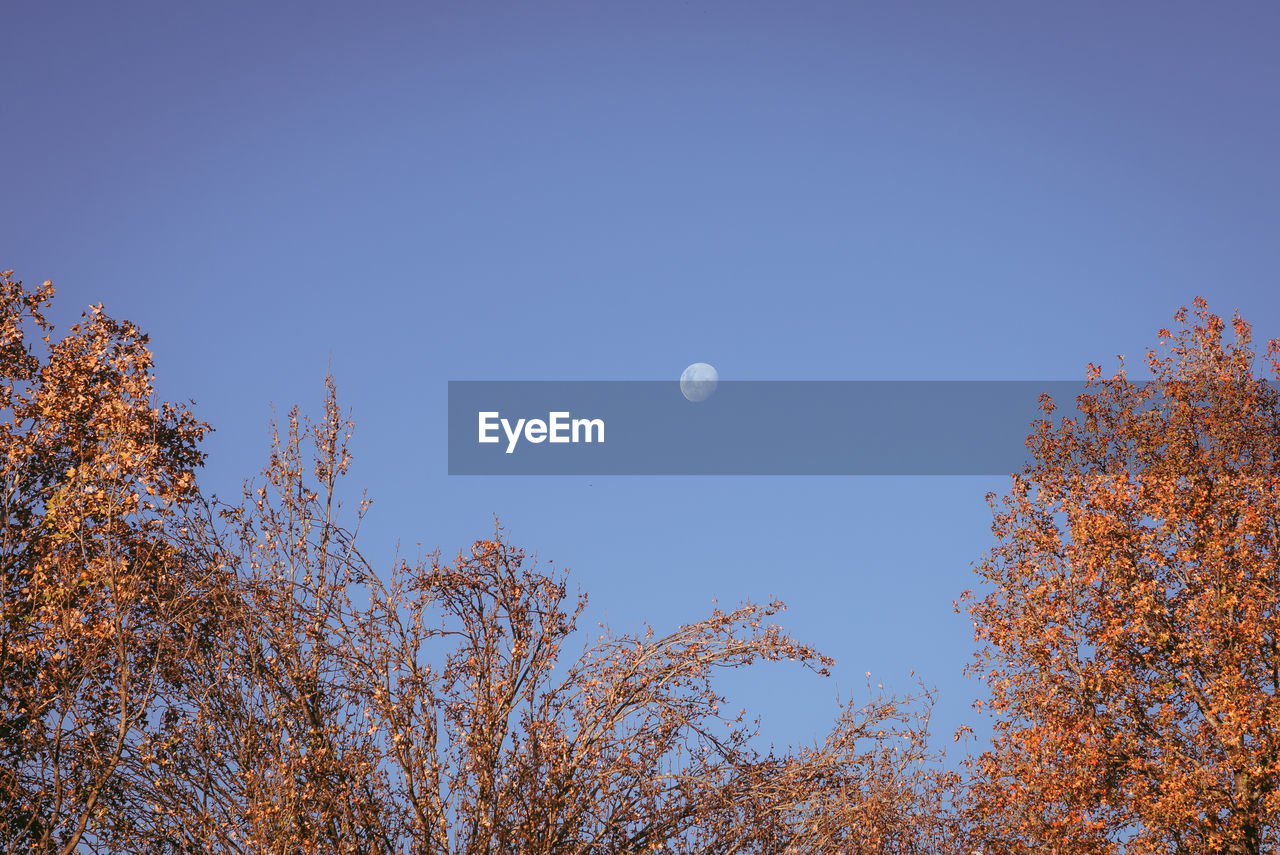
point(1131, 620)
point(435, 710)
point(98, 605)
point(177, 677)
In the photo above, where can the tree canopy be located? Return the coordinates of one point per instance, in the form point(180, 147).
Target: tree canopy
point(180, 675)
point(1131, 613)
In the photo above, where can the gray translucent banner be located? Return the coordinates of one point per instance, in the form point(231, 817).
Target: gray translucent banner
point(746, 427)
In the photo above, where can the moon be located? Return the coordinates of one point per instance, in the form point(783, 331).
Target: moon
point(698, 381)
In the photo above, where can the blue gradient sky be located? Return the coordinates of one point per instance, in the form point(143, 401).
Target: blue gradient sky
point(611, 191)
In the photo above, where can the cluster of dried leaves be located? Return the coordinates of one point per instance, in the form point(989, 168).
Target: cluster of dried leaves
point(1130, 628)
point(181, 676)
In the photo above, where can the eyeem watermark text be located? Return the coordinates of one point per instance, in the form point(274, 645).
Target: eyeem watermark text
point(558, 427)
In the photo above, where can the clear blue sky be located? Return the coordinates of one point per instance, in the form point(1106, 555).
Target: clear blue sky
point(610, 190)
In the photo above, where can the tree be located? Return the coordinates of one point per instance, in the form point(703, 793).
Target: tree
point(1131, 618)
point(433, 711)
point(179, 675)
point(98, 603)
